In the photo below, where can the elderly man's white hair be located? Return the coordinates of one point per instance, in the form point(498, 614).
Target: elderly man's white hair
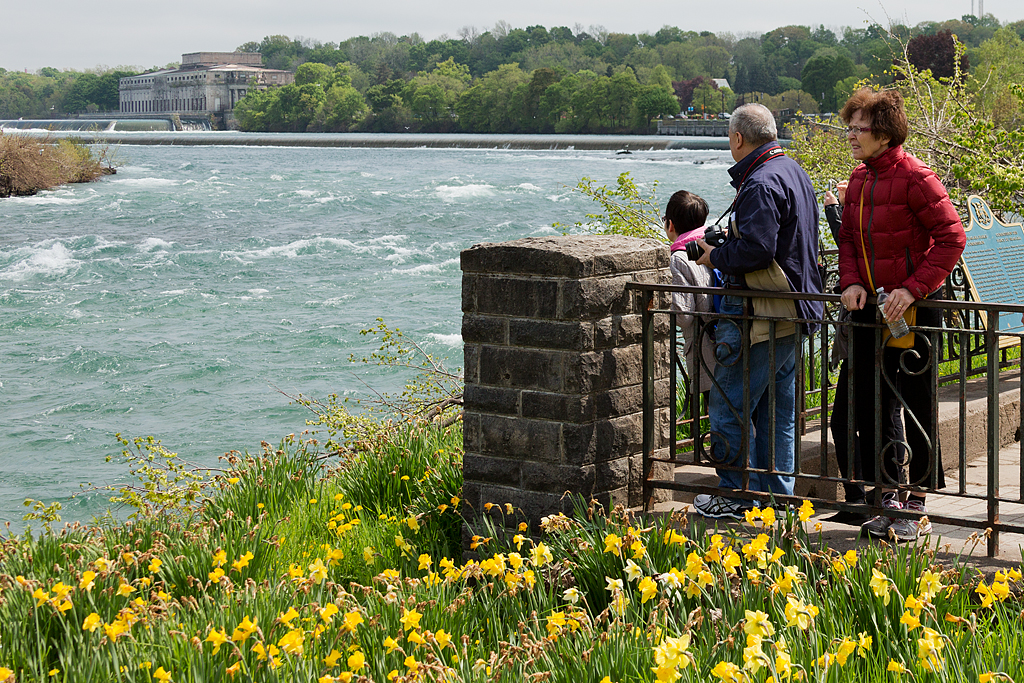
point(755, 122)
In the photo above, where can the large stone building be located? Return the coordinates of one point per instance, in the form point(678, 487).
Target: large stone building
point(206, 82)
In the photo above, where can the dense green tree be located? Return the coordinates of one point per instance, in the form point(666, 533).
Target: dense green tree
point(313, 72)
point(496, 102)
point(1001, 65)
point(655, 100)
point(712, 60)
point(540, 80)
point(827, 67)
point(621, 92)
point(385, 95)
point(566, 56)
point(432, 95)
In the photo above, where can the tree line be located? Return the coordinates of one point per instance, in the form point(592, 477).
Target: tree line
point(562, 80)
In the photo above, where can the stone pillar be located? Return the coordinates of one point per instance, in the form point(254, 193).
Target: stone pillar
point(553, 371)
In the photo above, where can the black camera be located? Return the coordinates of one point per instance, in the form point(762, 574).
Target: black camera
point(715, 236)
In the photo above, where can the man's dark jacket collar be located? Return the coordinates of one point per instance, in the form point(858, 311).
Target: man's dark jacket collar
point(739, 169)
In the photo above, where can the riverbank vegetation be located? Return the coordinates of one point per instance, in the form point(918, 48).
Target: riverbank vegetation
point(28, 165)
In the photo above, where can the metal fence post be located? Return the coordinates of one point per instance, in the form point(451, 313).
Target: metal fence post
point(647, 345)
point(992, 355)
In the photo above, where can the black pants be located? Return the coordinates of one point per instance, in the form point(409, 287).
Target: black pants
point(901, 367)
point(850, 462)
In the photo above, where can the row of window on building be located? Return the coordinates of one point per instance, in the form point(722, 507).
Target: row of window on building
point(157, 106)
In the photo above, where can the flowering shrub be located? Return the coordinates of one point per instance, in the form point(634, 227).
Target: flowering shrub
point(294, 572)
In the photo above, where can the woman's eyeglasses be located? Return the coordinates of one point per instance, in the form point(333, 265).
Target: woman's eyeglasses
point(857, 130)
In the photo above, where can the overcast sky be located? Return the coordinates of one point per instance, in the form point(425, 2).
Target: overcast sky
point(72, 34)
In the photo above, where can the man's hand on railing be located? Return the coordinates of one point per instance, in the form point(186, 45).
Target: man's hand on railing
point(854, 297)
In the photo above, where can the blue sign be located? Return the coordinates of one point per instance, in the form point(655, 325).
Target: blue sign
point(994, 261)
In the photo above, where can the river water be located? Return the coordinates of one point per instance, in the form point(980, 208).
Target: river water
point(176, 298)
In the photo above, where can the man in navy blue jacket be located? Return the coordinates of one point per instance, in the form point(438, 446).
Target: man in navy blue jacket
point(773, 246)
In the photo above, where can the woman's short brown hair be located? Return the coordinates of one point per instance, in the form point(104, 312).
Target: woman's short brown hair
point(884, 108)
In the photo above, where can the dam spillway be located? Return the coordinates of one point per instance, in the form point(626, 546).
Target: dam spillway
point(621, 143)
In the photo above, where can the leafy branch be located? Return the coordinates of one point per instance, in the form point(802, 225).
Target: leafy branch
point(626, 210)
point(166, 483)
point(433, 395)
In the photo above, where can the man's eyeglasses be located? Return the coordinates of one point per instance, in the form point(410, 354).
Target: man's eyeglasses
point(857, 130)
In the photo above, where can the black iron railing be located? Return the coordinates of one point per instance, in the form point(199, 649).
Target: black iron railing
point(966, 347)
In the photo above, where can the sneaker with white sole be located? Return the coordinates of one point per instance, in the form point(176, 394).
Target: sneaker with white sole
point(720, 507)
point(878, 525)
point(906, 530)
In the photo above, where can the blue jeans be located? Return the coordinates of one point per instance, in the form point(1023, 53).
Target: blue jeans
point(728, 414)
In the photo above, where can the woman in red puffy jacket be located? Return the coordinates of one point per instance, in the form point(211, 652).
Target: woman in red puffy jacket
point(900, 233)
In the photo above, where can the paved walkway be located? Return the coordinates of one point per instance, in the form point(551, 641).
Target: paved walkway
point(949, 541)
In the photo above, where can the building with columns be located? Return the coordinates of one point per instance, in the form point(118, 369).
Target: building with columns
point(205, 83)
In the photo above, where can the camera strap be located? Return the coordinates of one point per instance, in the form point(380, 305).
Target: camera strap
point(761, 160)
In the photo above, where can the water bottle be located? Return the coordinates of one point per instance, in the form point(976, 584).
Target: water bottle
point(897, 328)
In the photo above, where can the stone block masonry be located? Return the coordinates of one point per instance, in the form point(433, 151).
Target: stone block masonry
point(553, 358)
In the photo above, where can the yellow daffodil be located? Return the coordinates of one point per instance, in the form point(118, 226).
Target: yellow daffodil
point(91, 623)
point(87, 581)
point(910, 620)
point(233, 669)
point(219, 558)
point(758, 623)
point(218, 638)
point(245, 629)
point(328, 611)
point(442, 639)
point(846, 648)
point(929, 650)
point(555, 622)
point(648, 589)
point(154, 565)
point(162, 675)
point(331, 660)
point(806, 511)
point(929, 584)
point(863, 644)
point(540, 555)
point(410, 619)
point(727, 672)
point(242, 562)
point(880, 585)
point(293, 642)
point(318, 571)
point(799, 614)
point(613, 544)
point(356, 661)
